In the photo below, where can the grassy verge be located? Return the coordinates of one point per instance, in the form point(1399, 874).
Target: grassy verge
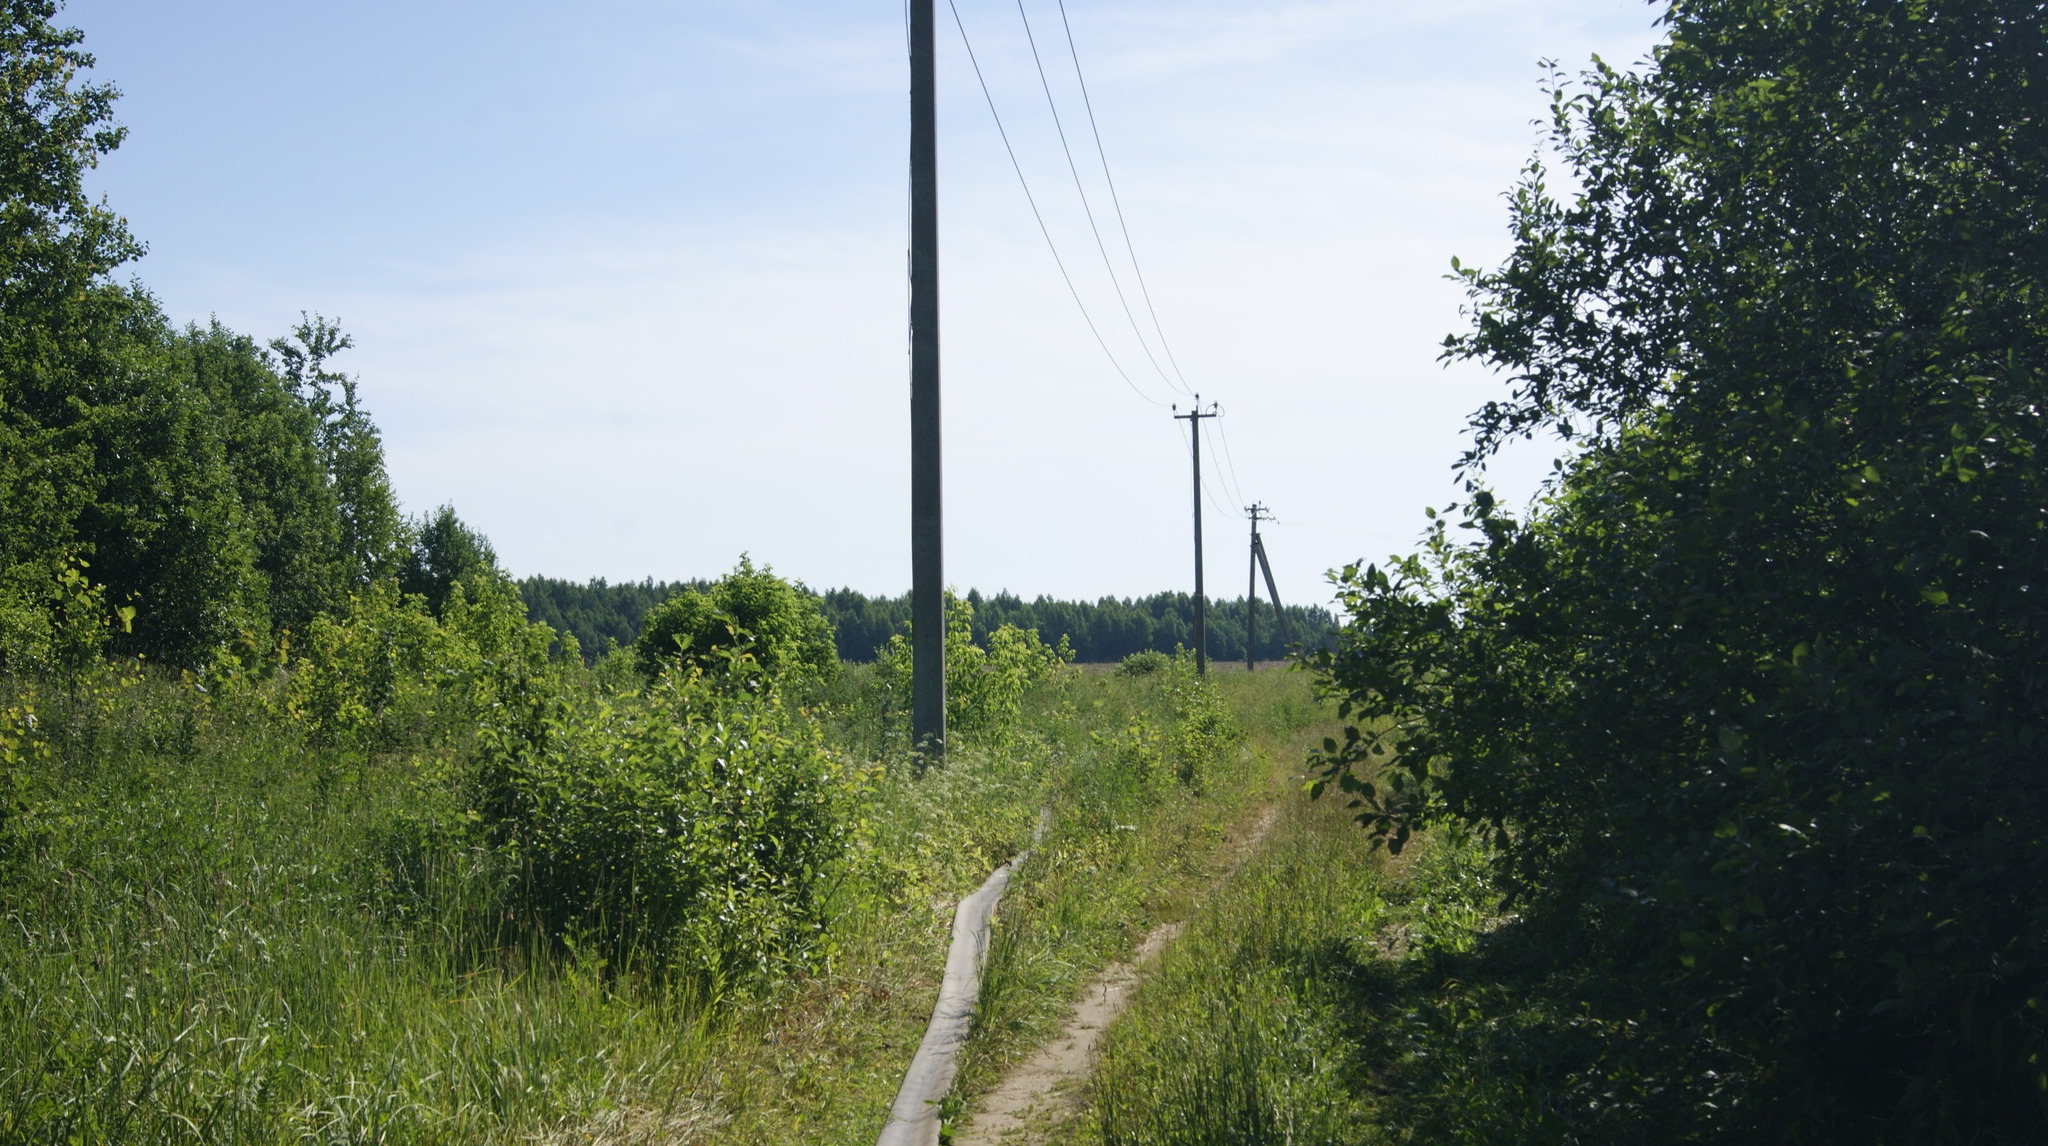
point(1279, 1015)
point(1123, 856)
point(195, 945)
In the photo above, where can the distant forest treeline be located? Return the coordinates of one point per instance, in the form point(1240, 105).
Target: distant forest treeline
point(1105, 630)
point(597, 612)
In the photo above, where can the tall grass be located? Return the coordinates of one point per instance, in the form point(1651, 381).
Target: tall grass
point(1132, 841)
point(194, 950)
point(1249, 1029)
point(210, 930)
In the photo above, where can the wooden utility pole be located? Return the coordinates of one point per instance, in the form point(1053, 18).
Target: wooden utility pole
point(1257, 513)
point(1194, 420)
point(927, 549)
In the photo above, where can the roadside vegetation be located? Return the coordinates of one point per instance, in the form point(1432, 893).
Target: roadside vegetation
point(1700, 799)
point(426, 882)
point(1301, 1008)
point(1716, 772)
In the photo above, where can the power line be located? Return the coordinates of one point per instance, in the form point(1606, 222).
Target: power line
point(1222, 480)
point(1144, 291)
point(1227, 458)
point(1216, 471)
point(1234, 484)
point(1081, 190)
point(1229, 482)
point(1209, 491)
point(1035, 214)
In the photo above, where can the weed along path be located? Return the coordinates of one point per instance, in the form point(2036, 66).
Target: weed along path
point(1044, 1090)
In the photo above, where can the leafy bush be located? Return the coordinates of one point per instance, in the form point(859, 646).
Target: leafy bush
point(985, 686)
point(53, 618)
point(1135, 753)
point(698, 830)
point(384, 655)
point(388, 671)
point(1144, 662)
point(1202, 727)
point(782, 623)
point(1193, 736)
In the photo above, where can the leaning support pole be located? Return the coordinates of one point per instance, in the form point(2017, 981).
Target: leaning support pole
point(1259, 551)
point(1251, 606)
point(927, 548)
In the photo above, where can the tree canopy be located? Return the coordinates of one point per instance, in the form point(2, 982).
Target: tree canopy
point(215, 490)
point(781, 623)
point(442, 552)
point(1751, 703)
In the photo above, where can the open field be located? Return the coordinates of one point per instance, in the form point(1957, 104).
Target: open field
point(204, 941)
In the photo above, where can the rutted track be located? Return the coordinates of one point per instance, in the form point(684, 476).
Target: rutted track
point(1045, 1087)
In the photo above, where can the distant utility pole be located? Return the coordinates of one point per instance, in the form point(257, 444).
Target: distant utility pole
point(927, 549)
point(1273, 591)
point(1257, 513)
point(1194, 420)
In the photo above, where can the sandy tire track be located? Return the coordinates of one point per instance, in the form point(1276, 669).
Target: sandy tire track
point(1045, 1088)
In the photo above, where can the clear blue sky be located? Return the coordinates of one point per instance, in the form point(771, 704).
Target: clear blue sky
point(627, 279)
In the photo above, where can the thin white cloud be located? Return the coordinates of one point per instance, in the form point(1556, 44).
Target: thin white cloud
point(634, 301)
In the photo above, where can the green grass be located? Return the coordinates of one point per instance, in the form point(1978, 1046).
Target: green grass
point(1259, 1024)
point(198, 940)
point(1124, 856)
point(1331, 994)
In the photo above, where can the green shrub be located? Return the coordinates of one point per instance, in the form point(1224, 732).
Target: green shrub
point(1134, 753)
point(387, 670)
point(697, 830)
point(53, 618)
point(24, 752)
point(985, 687)
point(1144, 662)
point(1202, 727)
point(787, 632)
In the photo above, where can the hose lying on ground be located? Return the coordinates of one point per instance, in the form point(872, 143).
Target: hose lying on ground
point(914, 1118)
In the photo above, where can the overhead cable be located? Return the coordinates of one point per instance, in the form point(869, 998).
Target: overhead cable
point(1228, 486)
point(1230, 461)
point(1209, 488)
point(1035, 214)
point(1144, 291)
point(1081, 190)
